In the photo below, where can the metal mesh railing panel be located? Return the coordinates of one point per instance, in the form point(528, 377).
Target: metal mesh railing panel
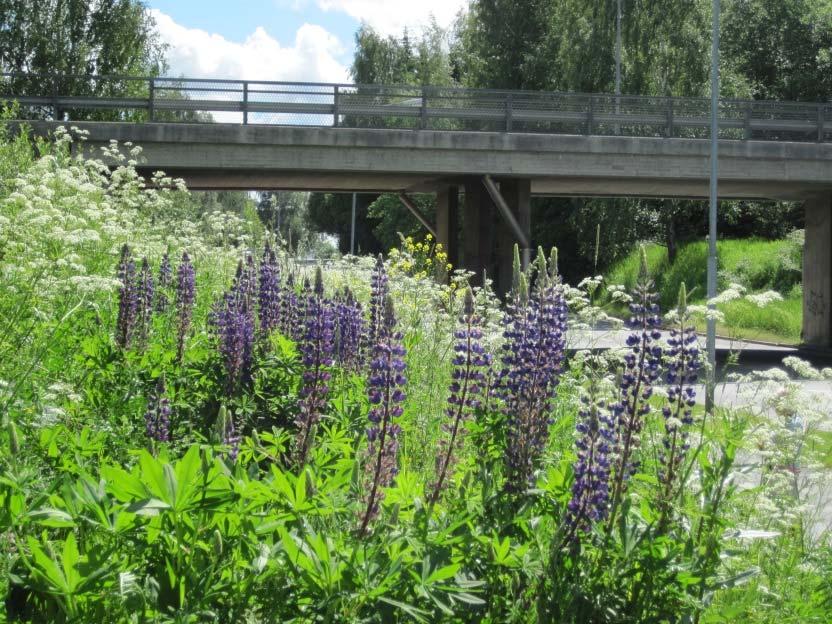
point(125, 98)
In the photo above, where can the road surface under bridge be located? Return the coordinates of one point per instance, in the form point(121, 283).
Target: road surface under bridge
point(495, 149)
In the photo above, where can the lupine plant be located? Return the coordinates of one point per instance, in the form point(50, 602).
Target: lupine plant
point(385, 391)
point(185, 292)
point(157, 416)
point(349, 330)
point(533, 352)
point(164, 283)
point(128, 299)
point(269, 295)
point(642, 367)
point(317, 349)
point(233, 320)
point(465, 392)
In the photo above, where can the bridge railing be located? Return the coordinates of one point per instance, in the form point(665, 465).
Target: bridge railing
point(407, 107)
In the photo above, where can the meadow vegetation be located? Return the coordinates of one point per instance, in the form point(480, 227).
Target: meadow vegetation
point(765, 276)
point(197, 428)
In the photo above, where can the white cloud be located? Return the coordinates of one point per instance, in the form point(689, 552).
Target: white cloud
point(392, 16)
point(195, 53)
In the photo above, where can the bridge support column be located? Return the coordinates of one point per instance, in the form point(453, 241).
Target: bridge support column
point(817, 273)
point(478, 230)
point(447, 222)
point(517, 193)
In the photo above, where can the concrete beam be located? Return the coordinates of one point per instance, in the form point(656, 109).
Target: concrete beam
point(817, 273)
point(556, 164)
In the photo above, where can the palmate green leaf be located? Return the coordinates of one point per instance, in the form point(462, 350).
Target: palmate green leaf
point(417, 614)
point(70, 559)
point(442, 574)
point(46, 569)
point(51, 517)
point(154, 478)
point(123, 485)
point(148, 507)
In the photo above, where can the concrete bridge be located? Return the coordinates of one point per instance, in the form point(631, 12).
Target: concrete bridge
point(498, 147)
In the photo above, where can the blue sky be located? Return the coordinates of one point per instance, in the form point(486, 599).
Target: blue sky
point(281, 39)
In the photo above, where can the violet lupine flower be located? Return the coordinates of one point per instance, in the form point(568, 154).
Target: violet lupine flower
point(349, 330)
point(157, 416)
point(385, 390)
point(533, 358)
point(682, 373)
point(298, 330)
point(641, 370)
point(269, 299)
point(165, 281)
point(128, 299)
point(316, 348)
point(233, 322)
point(185, 290)
point(289, 308)
point(379, 289)
point(465, 392)
point(247, 278)
point(144, 300)
point(591, 488)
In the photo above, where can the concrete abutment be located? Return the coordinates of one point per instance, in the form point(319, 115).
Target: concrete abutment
point(817, 273)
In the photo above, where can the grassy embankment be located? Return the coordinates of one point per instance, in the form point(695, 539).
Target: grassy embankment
point(758, 265)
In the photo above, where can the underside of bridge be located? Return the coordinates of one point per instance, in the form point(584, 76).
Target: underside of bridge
point(497, 173)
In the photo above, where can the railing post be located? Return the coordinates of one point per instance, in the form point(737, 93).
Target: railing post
point(590, 115)
point(509, 111)
point(55, 109)
point(245, 102)
point(669, 113)
point(747, 121)
point(151, 101)
point(423, 120)
point(821, 120)
point(335, 112)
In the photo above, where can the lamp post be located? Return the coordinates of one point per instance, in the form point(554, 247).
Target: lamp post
point(711, 332)
point(352, 226)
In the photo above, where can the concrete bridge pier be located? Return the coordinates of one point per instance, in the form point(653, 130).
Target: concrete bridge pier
point(817, 273)
point(517, 194)
point(447, 222)
point(478, 230)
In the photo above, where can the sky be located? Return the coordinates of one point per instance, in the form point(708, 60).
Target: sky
point(297, 40)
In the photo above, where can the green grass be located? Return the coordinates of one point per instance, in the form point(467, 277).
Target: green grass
point(759, 265)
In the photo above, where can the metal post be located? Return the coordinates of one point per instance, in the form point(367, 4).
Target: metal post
point(821, 130)
point(245, 102)
point(590, 115)
point(151, 112)
point(335, 112)
point(669, 129)
point(747, 121)
point(711, 336)
point(423, 120)
point(509, 111)
point(617, 63)
point(352, 225)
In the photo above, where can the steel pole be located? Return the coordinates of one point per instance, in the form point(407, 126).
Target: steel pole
point(352, 226)
point(617, 63)
point(711, 336)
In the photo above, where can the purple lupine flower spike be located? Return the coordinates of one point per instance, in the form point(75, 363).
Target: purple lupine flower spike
point(298, 330)
point(385, 390)
point(144, 304)
point(269, 296)
point(317, 348)
point(128, 299)
point(349, 330)
point(165, 281)
point(682, 374)
point(185, 291)
point(465, 392)
point(233, 322)
point(157, 416)
point(641, 370)
point(533, 359)
point(590, 490)
point(379, 289)
point(289, 308)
